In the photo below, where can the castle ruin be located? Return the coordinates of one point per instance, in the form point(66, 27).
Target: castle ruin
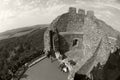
point(71, 30)
point(76, 36)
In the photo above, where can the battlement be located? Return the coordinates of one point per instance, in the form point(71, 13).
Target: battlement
point(81, 11)
point(72, 10)
point(90, 13)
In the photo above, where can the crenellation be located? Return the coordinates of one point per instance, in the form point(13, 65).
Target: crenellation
point(81, 11)
point(77, 36)
point(72, 10)
point(90, 13)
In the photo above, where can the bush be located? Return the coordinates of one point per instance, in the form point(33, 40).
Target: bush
point(16, 51)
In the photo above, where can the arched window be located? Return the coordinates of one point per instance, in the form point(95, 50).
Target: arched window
point(75, 42)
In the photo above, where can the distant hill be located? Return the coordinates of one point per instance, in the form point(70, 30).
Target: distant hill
point(22, 45)
point(20, 31)
point(84, 32)
point(19, 47)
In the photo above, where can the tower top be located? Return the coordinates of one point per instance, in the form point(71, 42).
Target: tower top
point(72, 10)
point(81, 11)
point(90, 13)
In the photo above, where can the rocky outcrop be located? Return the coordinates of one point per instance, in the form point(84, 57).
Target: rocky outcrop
point(77, 35)
point(71, 21)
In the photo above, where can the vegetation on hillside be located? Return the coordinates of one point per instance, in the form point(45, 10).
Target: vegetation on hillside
point(17, 51)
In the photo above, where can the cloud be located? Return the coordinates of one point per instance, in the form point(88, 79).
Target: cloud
point(18, 13)
point(23, 13)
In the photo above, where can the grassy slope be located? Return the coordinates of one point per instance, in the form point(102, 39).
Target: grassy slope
point(15, 51)
point(20, 31)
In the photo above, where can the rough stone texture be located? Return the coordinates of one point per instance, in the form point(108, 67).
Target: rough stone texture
point(89, 31)
point(81, 12)
point(70, 21)
point(92, 36)
point(47, 41)
point(75, 23)
point(89, 64)
point(72, 10)
point(113, 45)
point(55, 41)
point(70, 37)
point(90, 13)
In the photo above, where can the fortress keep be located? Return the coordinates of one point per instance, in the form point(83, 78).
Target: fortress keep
point(76, 35)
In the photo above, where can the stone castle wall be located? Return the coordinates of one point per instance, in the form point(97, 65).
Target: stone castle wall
point(72, 21)
point(70, 37)
point(67, 28)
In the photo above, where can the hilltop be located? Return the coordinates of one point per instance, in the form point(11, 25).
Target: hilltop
point(20, 31)
point(18, 47)
point(77, 36)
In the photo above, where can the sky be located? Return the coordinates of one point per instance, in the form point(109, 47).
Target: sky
point(22, 13)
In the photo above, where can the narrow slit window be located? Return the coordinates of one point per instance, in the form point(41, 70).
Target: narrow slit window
point(75, 42)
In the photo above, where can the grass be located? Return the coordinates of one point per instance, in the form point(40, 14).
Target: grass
point(16, 51)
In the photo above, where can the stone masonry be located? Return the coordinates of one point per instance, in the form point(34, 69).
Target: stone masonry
point(78, 33)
